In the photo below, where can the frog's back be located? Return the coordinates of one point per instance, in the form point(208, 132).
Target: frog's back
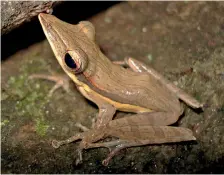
point(140, 89)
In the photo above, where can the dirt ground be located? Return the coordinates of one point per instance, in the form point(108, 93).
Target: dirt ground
point(182, 40)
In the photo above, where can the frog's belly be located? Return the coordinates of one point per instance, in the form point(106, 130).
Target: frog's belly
point(93, 95)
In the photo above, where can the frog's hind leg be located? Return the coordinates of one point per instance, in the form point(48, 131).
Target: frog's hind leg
point(138, 130)
point(155, 135)
point(141, 135)
point(145, 127)
point(138, 66)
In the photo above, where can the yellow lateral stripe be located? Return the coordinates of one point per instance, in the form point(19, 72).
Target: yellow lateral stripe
point(120, 106)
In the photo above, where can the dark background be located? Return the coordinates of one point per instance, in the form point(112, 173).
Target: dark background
point(31, 32)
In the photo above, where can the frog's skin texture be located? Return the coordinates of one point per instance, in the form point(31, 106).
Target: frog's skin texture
point(139, 89)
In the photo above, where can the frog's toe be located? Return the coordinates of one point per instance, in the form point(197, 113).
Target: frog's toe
point(61, 82)
point(78, 161)
point(55, 143)
point(82, 127)
point(79, 156)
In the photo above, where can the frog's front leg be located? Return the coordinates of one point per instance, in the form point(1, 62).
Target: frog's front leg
point(105, 115)
point(98, 131)
point(60, 81)
point(106, 110)
point(138, 66)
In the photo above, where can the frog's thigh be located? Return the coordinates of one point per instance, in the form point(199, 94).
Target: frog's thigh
point(146, 134)
point(138, 126)
point(148, 118)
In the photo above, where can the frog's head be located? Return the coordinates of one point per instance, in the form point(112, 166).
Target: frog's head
point(69, 42)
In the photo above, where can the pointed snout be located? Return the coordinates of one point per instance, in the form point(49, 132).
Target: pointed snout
point(45, 18)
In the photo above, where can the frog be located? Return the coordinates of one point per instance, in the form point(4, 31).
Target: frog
point(151, 101)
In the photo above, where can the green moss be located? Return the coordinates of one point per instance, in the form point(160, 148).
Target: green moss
point(16, 85)
point(20, 85)
point(4, 122)
point(197, 96)
point(41, 126)
point(31, 95)
point(149, 56)
point(4, 95)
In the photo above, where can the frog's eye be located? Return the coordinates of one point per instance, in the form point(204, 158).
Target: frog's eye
point(75, 61)
point(70, 62)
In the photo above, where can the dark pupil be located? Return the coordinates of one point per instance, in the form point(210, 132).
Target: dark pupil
point(69, 61)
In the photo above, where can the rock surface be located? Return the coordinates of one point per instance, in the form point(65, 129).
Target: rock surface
point(182, 40)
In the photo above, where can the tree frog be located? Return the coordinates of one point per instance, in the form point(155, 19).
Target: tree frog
point(152, 100)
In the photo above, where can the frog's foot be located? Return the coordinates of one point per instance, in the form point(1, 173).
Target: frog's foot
point(82, 127)
point(60, 81)
point(57, 144)
point(114, 152)
point(118, 144)
point(83, 145)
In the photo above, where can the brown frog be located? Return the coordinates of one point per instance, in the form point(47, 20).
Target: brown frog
point(139, 89)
